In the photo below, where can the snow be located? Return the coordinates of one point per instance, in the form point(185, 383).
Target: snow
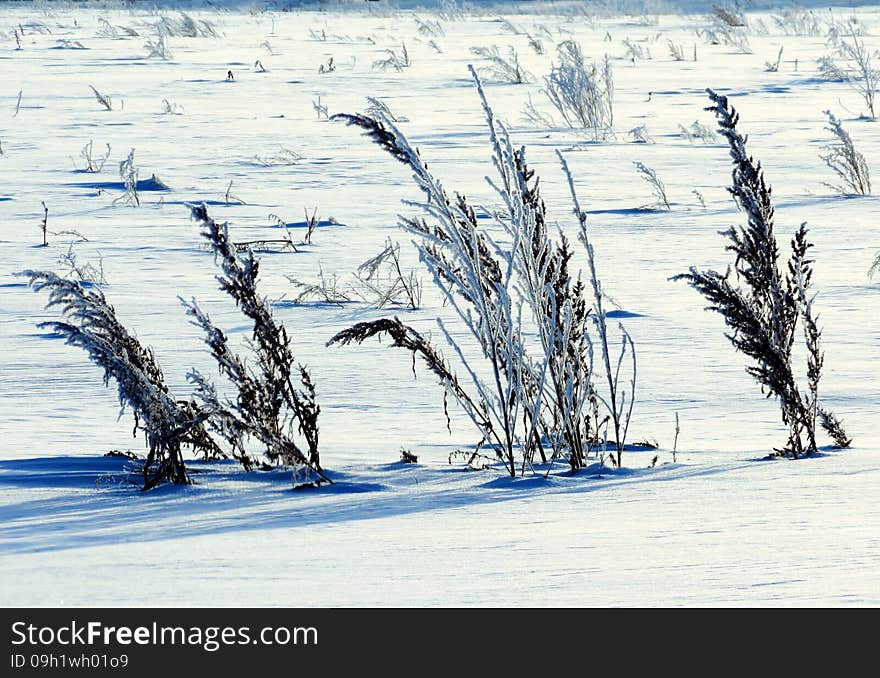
point(719, 526)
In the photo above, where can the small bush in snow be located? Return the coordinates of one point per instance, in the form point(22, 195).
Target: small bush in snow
point(86, 273)
point(728, 15)
point(128, 173)
point(676, 51)
point(430, 28)
point(504, 68)
point(656, 184)
point(395, 59)
point(829, 70)
point(765, 306)
point(171, 108)
point(582, 93)
point(383, 282)
point(158, 48)
point(797, 21)
point(186, 27)
point(857, 64)
point(846, 162)
point(727, 26)
point(636, 52)
point(698, 132)
point(168, 424)
point(93, 163)
point(530, 397)
point(328, 289)
point(275, 397)
point(107, 30)
point(640, 135)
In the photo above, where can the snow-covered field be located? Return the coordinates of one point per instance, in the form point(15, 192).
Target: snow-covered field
point(717, 526)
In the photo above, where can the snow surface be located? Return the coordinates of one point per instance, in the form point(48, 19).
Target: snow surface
point(718, 527)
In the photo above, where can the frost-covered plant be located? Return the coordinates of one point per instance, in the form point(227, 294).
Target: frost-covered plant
point(168, 424)
point(728, 15)
point(834, 428)
point(329, 67)
point(582, 93)
point(676, 51)
point(66, 43)
point(857, 63)
point(536, 44)
point(875, 267)
point(326, 290)
point(536, 117)
point(504, 68)
point(635, 51)
point(108, 30)
point(158, 48)
point(93, 163)
point(383, 282)
point(275, 397)
point(656, 184)
point(476, 284)
point(451, 10)
point(727, 26)
point(618, 403)
point(798, 21)
point(527, 402)
point(846, 162)
point(312, 221)
point(86, 273)
point(44, 224)
point(640, 135)
point(320, 109)
point(186, 27)
point(829, 70)
point(773, 66)
point(128, 173)
point(698, 132)
point(430, 27)
point(396, 59)
point(762, 304)
point(283, 156)
point(171, 108)
point(377, 105)
point(105, 101)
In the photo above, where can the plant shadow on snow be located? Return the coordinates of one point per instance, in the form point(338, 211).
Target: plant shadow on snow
point(822, 452)
point(628, 211)
point(624, 314)
point(96, 501)
point(143, 185)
